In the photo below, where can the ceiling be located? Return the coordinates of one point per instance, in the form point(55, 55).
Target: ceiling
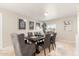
point(36, 10)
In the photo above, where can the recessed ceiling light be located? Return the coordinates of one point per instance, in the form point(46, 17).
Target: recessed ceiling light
point(46, 14)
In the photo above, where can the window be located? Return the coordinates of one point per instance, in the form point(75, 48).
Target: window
point(51, 26)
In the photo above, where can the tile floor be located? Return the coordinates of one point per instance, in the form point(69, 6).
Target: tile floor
point(62, 49)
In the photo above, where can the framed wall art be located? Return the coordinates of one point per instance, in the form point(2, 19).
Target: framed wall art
point(31, 25)
point(68, 25)
point(22, 24)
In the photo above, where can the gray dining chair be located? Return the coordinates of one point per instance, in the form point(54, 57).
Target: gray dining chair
point(30, 34)
point(53, 40)
point(46, 43)
point(20, 47)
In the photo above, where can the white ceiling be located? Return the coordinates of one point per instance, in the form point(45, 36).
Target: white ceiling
point(36, 11)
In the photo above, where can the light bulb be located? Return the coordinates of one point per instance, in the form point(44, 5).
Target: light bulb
point(46, 14)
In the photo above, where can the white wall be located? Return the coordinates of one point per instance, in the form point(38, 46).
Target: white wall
point(1, 31)
point(67, 36)
point(10, 25)
point(77, 36)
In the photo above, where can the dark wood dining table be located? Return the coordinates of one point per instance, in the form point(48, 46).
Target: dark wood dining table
point(35, 40)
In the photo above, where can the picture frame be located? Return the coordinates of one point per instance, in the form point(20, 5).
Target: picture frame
point(67, 22)
point(67, 25)
point(22, 24)
point(31, 25)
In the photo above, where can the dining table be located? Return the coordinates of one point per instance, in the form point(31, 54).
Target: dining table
point(35, 40)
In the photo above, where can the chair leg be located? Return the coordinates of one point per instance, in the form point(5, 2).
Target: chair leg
point(52, 46)
point(55, 45)
point(34, 54)
point(49, 48)
point(54, 49)
point(44, 51)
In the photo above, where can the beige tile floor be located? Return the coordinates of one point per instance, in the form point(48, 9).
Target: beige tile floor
point(7, 52)
point(62, 49)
